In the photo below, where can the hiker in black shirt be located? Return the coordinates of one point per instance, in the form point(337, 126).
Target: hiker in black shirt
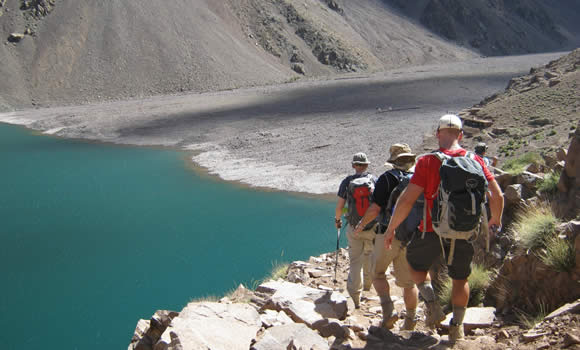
point(402, 161)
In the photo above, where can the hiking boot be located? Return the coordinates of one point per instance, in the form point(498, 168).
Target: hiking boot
point(455, 332)
point(356, 301)
point(433, 315)
point(409, 324)
point(389, 321)
point(389, 316)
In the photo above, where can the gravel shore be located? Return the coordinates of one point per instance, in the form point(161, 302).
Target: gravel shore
point(292, 137)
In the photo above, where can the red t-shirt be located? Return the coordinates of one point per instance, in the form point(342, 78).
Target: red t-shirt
point(427, 176)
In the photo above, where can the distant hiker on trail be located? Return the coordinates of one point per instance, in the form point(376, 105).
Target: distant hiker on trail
point(448, 178)
point(389, 185)
point(480, 150)
point(355, 191)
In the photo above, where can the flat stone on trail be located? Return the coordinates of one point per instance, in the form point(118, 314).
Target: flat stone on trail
point(304, 304)
point(475, 317)
point(280, 337)
point(315, 273)
point(570, 308)
point(271, 318)
point(202, 326)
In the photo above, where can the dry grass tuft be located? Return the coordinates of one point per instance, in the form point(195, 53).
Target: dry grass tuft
point(479, 281)
point(534, 227)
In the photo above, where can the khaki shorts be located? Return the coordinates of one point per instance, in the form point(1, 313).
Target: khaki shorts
point(382, 258)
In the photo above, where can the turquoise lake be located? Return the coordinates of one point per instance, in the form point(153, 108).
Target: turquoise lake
point(94, 237)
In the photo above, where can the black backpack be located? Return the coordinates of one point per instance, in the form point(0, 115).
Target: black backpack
point(459, 206)
point(409, 226)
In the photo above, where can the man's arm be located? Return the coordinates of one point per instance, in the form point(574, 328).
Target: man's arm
point(402, 209)
point(495, 204)
point(371, 213)
point(338, 212)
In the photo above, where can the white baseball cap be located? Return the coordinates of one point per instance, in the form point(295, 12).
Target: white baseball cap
point(450, 121)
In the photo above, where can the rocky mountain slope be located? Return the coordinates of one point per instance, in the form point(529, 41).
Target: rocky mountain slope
point(499, 27)
point(537, 112)
point(65, 51)
point(71, 52)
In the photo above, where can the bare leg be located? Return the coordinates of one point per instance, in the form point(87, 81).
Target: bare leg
point(382, 288)
point(410, 295)
point(460, 293)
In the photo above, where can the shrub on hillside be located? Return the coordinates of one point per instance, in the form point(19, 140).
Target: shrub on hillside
point(478, 281)
point(515, 166)
point(550, 183)
point(559, 255)
point(534, 226)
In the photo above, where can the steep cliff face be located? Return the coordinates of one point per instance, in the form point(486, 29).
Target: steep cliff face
point(499, 27)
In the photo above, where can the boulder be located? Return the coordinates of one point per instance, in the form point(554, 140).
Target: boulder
point(539, 122)
point(297, 272)
point(290, 336)
point(569, 184)
point(561, 154)
point(140, 331)
point(303, 304)
point(529, 180)
point(533, 168)
point(499, 131)
point(240, 295)
point(559, 166)
point(147, 333)
point(210, 325)
point(550, 160)
point(569, 308)
point(504, 180)
point(271, 318)
point(15, 37)
point(513, 194)
point(570, 229)
point(315, 273)
point(298, 68)
point(475, 317)
point(553, 82)
point(533, 202)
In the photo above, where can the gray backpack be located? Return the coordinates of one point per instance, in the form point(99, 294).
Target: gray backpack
point(459, 208)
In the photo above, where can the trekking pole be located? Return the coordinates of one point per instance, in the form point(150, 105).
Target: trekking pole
point(337, 251)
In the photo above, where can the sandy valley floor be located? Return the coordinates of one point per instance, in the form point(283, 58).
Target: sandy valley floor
point(294, 137)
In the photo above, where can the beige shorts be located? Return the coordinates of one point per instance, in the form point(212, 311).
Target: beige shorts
point(382, 258)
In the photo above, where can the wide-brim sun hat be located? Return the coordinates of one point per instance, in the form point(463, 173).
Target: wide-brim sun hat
point(399, 151)
point(360, 158)
point(450, 121)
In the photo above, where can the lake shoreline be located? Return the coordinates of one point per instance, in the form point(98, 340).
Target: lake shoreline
point(297, 137)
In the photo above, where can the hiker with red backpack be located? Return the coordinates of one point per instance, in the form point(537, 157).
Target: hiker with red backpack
point(355, 192)
point(454, 183)
point(389, 186)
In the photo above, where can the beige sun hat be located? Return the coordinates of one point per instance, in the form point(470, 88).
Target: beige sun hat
point(398, 151)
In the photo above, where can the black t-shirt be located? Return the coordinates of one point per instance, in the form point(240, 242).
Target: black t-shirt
point(383, 188)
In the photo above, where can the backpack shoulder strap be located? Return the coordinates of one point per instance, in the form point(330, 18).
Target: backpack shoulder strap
point(396, 173)
point(440, 155)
